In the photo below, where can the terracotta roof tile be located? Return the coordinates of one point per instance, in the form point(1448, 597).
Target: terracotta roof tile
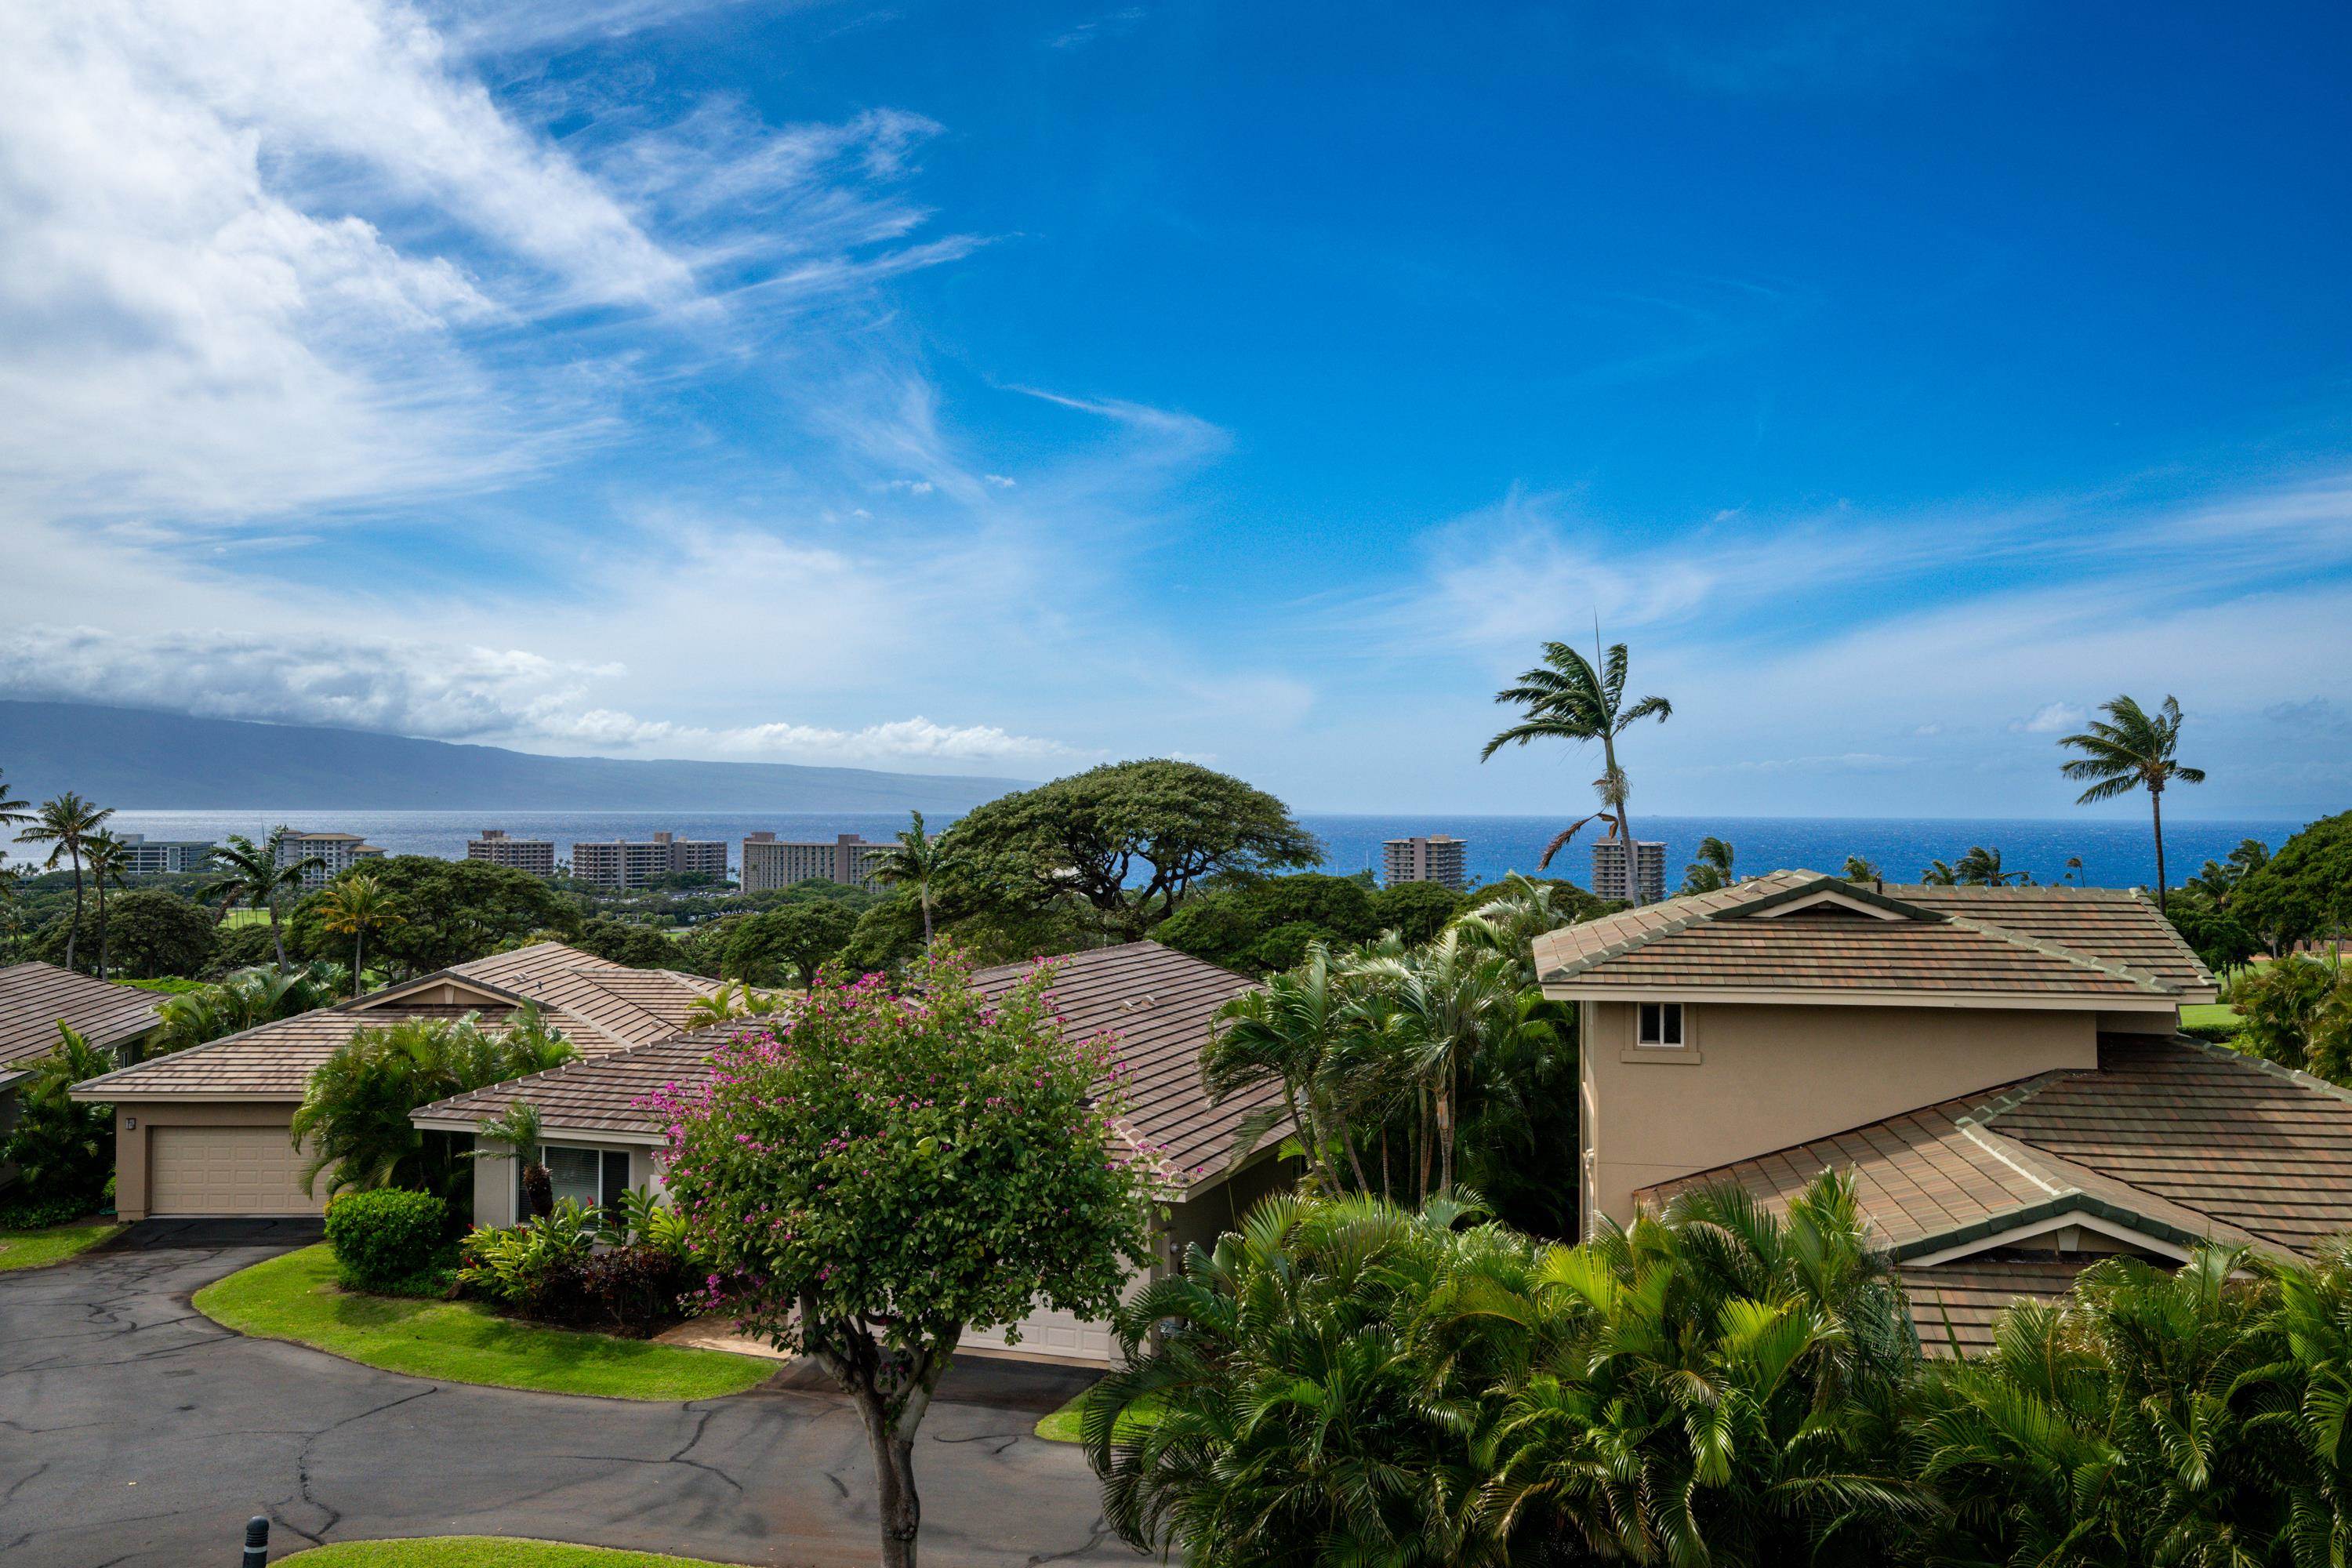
point(36, 997)
point(2025, 943)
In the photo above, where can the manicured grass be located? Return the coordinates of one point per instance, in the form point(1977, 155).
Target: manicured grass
point(481, 1552)
point(38, 1248)
point(2209, 1016)
point(1063, 1425)
point(296, 1298)
point(246, 917)
point(169, 987)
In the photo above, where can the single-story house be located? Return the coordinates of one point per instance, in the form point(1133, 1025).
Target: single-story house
point(2000, 1067)
point(206, 1132)
point(1159, 1001)
point(34, 998)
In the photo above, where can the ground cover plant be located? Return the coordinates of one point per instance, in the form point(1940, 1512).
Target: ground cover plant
point(297, 1297)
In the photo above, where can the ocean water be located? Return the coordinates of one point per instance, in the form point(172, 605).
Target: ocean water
point(2115, 852)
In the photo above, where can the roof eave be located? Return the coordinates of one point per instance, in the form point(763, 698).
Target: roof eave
point(1572, 988)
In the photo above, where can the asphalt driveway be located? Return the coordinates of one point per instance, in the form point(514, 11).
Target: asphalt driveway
point(133, 1430)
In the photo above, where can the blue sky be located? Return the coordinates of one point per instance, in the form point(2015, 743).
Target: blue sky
point(1007, 388)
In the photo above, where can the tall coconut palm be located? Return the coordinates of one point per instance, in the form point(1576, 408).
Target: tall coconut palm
point(2132, 749)
point(65, 825)
point(1567, 699)
point(255, 878)
point(913, 862)
point(108, 859)
point(355, 904)
point(1712, 869)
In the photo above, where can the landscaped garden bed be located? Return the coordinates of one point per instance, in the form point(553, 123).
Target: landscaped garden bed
point(297, 1298)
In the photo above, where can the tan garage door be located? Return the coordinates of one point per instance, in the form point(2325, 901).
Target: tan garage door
point(1048, 1335)
point(225, 1171)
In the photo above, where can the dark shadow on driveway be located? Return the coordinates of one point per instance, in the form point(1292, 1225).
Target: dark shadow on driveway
point(133, 1430)
point(280, 1235)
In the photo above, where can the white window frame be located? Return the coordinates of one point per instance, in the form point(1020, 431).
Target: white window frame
point(1668, 1012)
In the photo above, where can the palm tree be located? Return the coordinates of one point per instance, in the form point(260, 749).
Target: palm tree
point(65, 825)
point(244, 999)
point(1858, 869)
point(256, 879)
point(109, 859)
point(517, 1134)
point(1712, 869)
point(1939, 875)
point(356, 904)
point(2074, 868)
point(2250, 857)
point(12, 810)
point(1286, 1033)
point(734, 999)
point(2132, 749)
point(913, 862)
point(1980, 868)
point(1565, 698)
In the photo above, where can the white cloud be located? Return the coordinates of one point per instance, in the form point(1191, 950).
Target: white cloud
point(2051, 718)
point(446, 692)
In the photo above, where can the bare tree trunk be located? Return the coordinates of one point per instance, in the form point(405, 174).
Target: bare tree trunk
point(359, 956)
point(74, 929)
point(1384, 1158)
point(102, 927)
point(276, 939)
point(2155, 804)
point(923, 894)
point(855, 1361)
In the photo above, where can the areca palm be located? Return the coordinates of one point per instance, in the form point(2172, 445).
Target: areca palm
point(2132, 749)
point(518, 1133)
point(1712, 869)
point(355, 904)
point(354, 1115)
point(244, 1000)
point(255, 878)
point(913, 862)
point(66, 825)
point(733, 999)
point(1288, 1032)
point(1566, 698)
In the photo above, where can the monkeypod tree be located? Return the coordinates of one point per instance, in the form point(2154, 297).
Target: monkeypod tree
point(884, 1170)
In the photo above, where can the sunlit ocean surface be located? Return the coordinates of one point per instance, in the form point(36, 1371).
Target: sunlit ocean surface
point(2114, 852)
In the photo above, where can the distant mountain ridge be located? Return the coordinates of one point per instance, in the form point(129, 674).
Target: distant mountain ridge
point(136, 760)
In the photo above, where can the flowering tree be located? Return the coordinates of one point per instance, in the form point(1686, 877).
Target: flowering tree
point(889, 1170)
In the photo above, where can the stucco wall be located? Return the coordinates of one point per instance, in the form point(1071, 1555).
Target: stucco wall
point(1754, 1078)
point(494, 1176)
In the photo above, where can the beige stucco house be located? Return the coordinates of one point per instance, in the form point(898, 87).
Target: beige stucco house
point(1158, 1003)
point(207, 1131)
point(36, 998)
point(2000, 1067)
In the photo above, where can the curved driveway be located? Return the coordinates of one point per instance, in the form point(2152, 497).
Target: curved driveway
point(133, 1430)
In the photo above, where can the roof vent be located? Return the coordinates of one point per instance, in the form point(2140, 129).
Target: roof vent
point(1137, 1003)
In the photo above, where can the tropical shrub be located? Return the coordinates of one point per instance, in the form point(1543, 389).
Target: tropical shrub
point(2296, 1011)
point(383, 1237)
point(354, 1113)
point(241, 1001)
point(1348, 1381)
point(534, 1265)
point(64, 1152)
point(627, 1271)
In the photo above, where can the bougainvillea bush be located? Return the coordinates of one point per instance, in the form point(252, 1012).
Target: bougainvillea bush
point(891, 1169)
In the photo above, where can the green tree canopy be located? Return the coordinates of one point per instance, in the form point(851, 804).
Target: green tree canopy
point(790, 942)
point(151, 935)
point(1417, 911)
point(2305, 891)
point(63, 1150)
point(453, 911)
point(1130, 838)
point(633, 943)
point(892, 1171)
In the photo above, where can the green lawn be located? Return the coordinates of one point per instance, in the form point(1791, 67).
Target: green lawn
point(242, 916)
point(481, 1552)
point(296, 1298)
point(1062, 1426)
point(37, 1248)
point(2209, 1016)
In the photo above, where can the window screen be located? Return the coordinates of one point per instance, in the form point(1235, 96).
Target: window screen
point(1662, 1023)
point(578, 1174)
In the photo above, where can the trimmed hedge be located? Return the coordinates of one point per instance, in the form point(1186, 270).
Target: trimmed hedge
point(384, 1237)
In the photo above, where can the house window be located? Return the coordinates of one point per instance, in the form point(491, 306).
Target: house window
point(594, 1178)
point(1662, 1025)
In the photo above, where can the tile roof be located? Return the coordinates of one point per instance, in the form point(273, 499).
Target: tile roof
point(1798, 932)
point(2176, 1140)
point(36, 997)
point(1158, 1002)
point(600, 1006)
point(1953, 1305)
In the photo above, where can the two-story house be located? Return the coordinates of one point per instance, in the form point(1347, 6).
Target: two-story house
point(2000, 1067)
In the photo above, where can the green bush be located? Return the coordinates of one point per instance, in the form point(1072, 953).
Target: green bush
point(386, 1237)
